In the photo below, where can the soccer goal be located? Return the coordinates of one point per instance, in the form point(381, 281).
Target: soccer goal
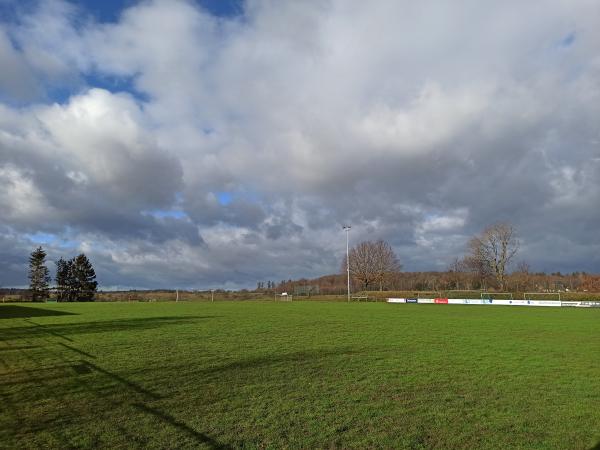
point(496, 296)
point(541, 296)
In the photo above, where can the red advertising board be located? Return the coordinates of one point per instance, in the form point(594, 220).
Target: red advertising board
point(440, 300)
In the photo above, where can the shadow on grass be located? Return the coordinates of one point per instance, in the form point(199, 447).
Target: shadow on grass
point(83, 373)
point(73, 349)
point(596, 447)
point(21, 312)
point(44, 329)
point(270, 360)
point(22, 347)
point(181, 426)
point(63, 329)
point(38, 375)
point(123, 391)
point(125, 382)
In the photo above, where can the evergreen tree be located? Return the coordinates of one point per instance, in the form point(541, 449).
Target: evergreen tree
point(39, 275)
point(83, 284)
point(72, 284)
point(62, 280)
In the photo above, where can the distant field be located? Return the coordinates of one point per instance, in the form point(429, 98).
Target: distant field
point(298, 375)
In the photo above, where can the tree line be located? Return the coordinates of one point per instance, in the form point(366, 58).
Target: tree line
point(75, 278)
point(488, 255)
point(485, 265)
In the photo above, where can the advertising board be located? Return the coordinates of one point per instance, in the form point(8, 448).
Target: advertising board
point(591, 304)
point(519, 302)
point(493, 301)
point(498, 302)
point(544, 303)
point(570, 304)
point(505, 302)
point(456, 301)
point(473, 301)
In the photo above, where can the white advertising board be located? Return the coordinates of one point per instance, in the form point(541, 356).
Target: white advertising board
point(543, 303)
point(497, 302)
point(588, 304)
point(505, 302)
point(456, 301)
point(473, 301)
point(570, 304)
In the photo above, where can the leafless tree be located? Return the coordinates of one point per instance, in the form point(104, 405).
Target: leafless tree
point(493, 250)
point(522, 276)
point(372, 262)
point(456, 273)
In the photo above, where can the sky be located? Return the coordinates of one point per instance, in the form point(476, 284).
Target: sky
point(216, 143)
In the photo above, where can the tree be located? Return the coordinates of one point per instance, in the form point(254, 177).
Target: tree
point(82, 277)
point(62, 280)
point(39, 275)
point(522, 276)
point(493, 249)
point(372, 262)
point(75, 280)
point(456, 273)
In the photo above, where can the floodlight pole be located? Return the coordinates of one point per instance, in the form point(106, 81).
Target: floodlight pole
point(347, 230)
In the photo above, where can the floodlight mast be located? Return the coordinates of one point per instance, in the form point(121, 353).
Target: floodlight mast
point(346, 228)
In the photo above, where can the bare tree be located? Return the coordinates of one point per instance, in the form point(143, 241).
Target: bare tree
point(522, 275)
point(456, 273)
point(493, 250)
point(372, 262)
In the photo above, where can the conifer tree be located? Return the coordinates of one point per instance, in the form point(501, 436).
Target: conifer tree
point(83, 279)
point(62, 280)
point(39, 275)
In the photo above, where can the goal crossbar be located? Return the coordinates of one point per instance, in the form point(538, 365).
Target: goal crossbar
point(491, 295)
point(526, 294)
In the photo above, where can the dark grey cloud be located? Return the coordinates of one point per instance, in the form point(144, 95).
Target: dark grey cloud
point(243, 144)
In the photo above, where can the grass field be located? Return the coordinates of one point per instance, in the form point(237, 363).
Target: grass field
point(292, 375)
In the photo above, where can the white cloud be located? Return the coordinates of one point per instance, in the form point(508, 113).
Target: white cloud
point(20, 199)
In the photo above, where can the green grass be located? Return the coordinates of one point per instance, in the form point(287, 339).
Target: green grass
point(298, 375)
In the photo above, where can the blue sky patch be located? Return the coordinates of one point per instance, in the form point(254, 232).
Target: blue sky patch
point(110, 10)
point(224, 198)
point(162, 214)
point(116, 84)
point(41, 238)
point(223, 8)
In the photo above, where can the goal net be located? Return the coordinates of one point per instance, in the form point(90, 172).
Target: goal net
point(541, 296)
point(496, 296)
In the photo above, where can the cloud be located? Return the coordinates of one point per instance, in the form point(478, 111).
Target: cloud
point(416, 123)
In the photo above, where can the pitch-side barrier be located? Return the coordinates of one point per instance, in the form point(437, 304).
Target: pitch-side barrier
point(496, 302)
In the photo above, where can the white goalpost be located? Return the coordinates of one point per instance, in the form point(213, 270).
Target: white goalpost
point(541, 296)
point(496, 295)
